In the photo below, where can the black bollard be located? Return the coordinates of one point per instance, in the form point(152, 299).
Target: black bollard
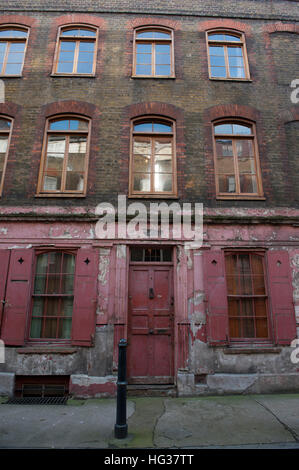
point(121, 427)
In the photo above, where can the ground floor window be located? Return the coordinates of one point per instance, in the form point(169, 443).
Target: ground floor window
point(53, 295)
point(247, 296)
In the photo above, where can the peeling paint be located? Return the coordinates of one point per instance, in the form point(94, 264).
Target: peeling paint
point(121, 252)
point(103, 270)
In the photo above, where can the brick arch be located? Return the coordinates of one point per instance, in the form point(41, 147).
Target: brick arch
point(281, 27)
point(233, 111)
point(22, 20)
point(289, 115)
point(225, 23)
point(69, 107)
point(142, 110)
point(153, 21)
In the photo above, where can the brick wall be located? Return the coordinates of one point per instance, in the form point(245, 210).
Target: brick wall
point(110, 97)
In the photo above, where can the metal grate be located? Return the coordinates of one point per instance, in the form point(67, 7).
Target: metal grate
point(37, 401)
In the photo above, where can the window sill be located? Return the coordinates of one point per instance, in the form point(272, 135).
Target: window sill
point(171, 77)
point(230, 79)
point(152, 196)
point(241, 198)
point(60, 195)
point(252, 350)
point(47, 350)
point(11, 76)
point(69, 75)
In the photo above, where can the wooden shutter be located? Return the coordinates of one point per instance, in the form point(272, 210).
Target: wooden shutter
point(216, 295)
point(17, 297)
point(4, 262)
point(85, 294)
point(281, 297)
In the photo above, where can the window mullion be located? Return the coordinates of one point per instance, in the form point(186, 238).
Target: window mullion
point(6, 57)
point(76, 56)
point(152, 164)
point(153, 58)
point(226, 60)
point(236, 166)
point(65, 161)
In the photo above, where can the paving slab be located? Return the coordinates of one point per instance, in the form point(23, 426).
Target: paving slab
point(56, 426)
point(218, 421)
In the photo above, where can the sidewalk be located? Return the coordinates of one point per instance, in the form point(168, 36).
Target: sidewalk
point(250, 421)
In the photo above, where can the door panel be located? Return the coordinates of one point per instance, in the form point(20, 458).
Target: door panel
point(150, 355)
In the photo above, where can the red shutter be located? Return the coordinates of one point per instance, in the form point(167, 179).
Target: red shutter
point(281, 297)
point(17, 297)
point(4, 262)
point(85, 294)
point(215, 288)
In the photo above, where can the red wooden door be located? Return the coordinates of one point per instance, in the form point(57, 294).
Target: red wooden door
point(150, 345)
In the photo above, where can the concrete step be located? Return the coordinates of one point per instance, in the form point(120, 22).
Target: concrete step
point(134, 390)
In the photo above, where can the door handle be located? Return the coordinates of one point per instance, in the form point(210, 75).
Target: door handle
point(151, 331)
point(151, 294)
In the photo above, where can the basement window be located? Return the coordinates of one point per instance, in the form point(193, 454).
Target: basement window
point(41, 386)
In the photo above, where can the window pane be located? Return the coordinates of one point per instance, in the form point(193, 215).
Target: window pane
point(17, 47)
point(244, 148)
point(74, 181)
point(246, 165)
point(224, 148)
point(54, 162)
point(236, 61)
point(59, 125)
point(229, 37)
point(66, 56)
point(239, 129)
point(85, 67)
point(13, 69)
point(65, 67)
point(248, 184)
point(163, 156)
point(162, 59)
point(70, 32)
point(159, 127)
point(52, 183)
point(216, 50)
point(3, 144)
point(67, 46)
point(227, 184)
point(163, 70)
point(145, 34)
point(142, 154)
point(16, 33)
point(85, 46)
point(142, 163)
point(223, 129)
point(144, 48)
point(217, 61)
point(42, 263)
point(218, 72)
point(234, 51)
point(237, 72)
point(77, 145)
point(225, 165)
point(216, 37)
point(163, 182)
point(56, 144)
point(87, 32)
point(163, 49)
point(142, 182)
point(76, 162)
point(144, 58)
point(144, 127)
point(245, 285)
point(4, 125)
point(143, 69)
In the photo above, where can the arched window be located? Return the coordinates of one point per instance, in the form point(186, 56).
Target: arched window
point(153, 52)
point(65, 156)
point(227, 55)
point(53, 295)
point(5, 133)
point(13, 40)
point(236, 160)
point(76, 50)
point(153, 163)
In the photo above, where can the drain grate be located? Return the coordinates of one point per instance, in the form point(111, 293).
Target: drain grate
point(36, 401)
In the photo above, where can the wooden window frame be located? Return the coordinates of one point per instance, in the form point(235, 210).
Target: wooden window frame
point(150, 194)
point(253, 137)
point(9, 133)
point(77, 39)
point(63, 193)
point(57, 339)
point(255, 339)
point(225, 44)
point(153, 41)
point(11, 40)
